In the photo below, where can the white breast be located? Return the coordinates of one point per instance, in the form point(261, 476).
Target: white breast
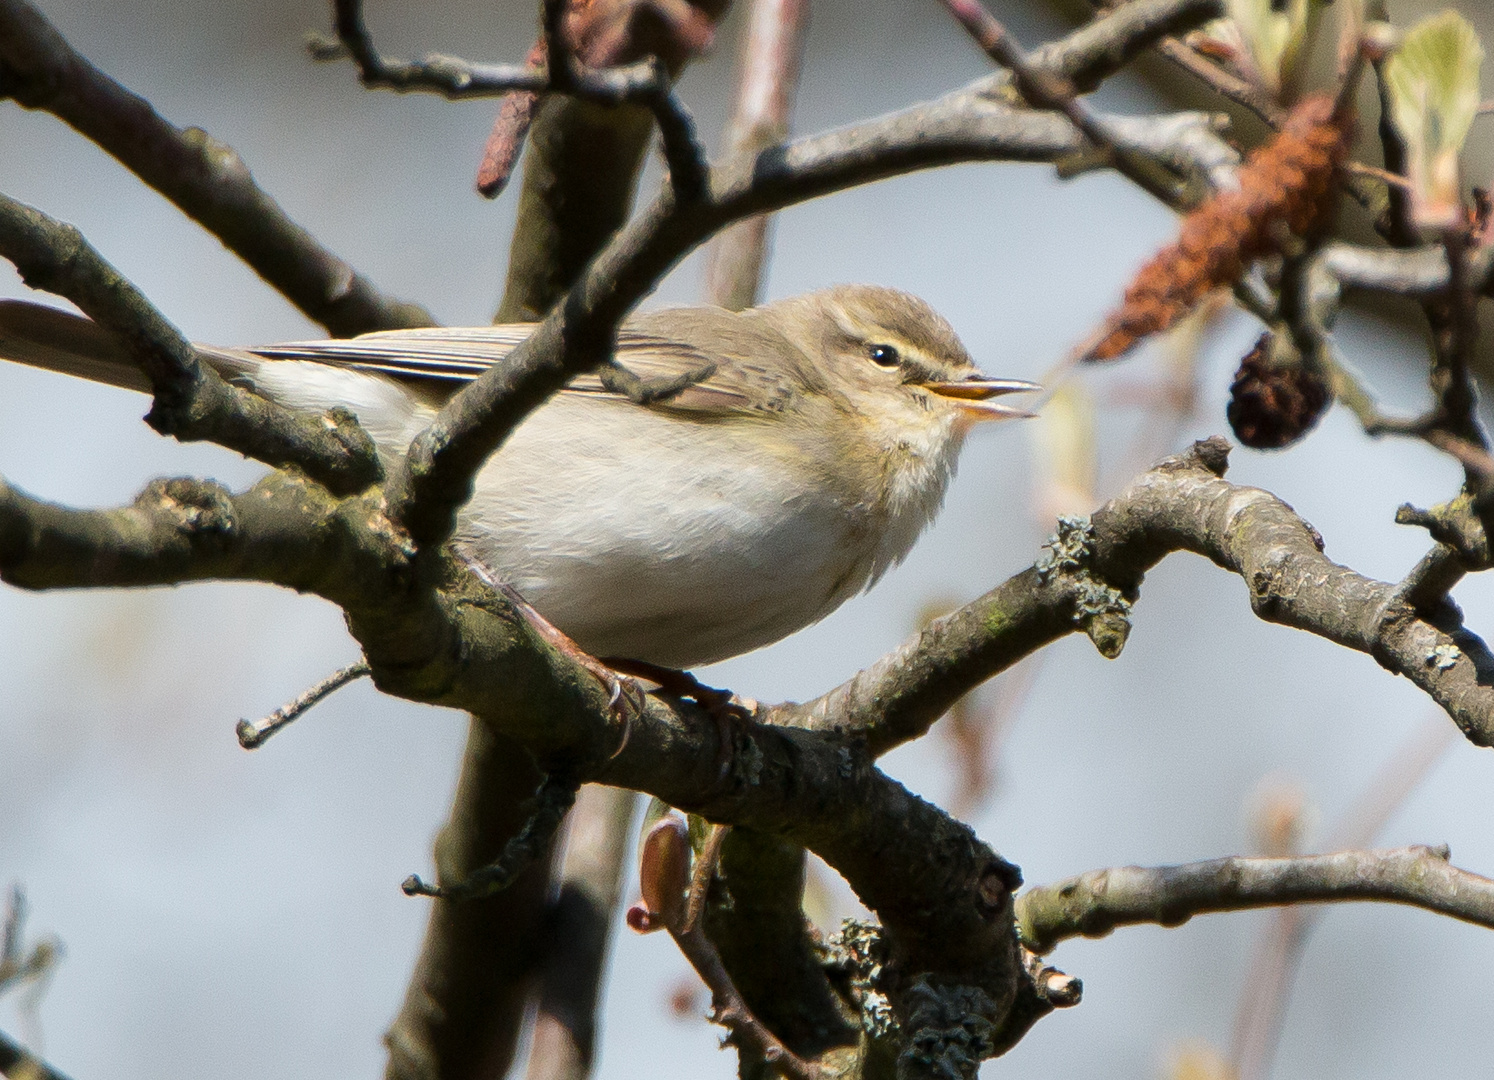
point(613, 523)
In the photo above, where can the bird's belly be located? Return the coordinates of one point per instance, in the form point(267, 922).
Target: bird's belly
point(652, 538)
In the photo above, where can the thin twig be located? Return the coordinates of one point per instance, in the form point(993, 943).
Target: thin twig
point(1048, 92)
point(646, 82)
point(253, 735)
point(1225, 83)
point(1385, 176)
point(729, 1009)
point(556, 795)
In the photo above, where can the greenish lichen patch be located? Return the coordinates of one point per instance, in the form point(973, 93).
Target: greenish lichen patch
point(1100, 609)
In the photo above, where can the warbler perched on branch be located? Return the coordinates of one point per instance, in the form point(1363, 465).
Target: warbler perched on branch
point(729, 478)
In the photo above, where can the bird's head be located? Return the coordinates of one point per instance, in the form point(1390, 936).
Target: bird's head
point(895, 359)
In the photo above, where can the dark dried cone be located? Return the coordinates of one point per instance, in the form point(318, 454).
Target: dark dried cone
point(1272, 405)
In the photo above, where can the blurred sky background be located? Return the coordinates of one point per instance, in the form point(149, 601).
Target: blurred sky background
point(229, 914)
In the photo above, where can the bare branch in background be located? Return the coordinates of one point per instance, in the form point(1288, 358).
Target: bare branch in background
point(1225, 83)
point(205, 178)
point(645, 82)
point(1275, 960)
point(563, 1041)
point(603, 34)
point(19, 965)
point(772, 58)
point(1047, 91)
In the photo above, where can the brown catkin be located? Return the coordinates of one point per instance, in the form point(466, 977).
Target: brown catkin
point(1274, 405)
point(1285, 183)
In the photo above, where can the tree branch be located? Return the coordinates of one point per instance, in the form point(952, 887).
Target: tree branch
point(1046, 91)
point(772, 56)
point(205, 178)
point(1108, 43)
point(191, 402)
point(16, 1062)
point(581, 920)
point(1094, 904)
point(646, 82)
point(1181, 505)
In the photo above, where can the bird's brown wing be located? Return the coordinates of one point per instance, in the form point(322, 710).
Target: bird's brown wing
point(449, 357)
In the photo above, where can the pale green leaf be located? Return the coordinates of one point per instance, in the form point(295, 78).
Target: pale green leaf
point(1275, 36)
point(1433, 83)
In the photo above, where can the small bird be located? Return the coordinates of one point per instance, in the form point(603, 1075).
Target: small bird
point(751, 472)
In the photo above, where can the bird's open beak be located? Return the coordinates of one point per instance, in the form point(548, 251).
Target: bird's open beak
point(973, 395)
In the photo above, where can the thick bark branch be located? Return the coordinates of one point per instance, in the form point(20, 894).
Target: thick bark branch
point(284, 531)
point(1094, 904)
point(205, 178)
point(191, 402)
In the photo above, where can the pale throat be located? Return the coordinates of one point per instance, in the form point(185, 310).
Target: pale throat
point(919, 451)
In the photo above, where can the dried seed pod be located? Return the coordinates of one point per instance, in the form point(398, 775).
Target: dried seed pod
point(1272, 405)
point(515, 113)
point(1286, 182)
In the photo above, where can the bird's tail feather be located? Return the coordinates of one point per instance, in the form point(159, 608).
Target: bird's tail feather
point(47, 338)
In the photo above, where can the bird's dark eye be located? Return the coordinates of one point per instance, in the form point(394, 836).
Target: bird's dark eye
point(884, 356)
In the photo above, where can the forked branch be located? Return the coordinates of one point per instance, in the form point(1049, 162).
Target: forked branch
point(205, 178)
point(191, 402)
point(646, 82)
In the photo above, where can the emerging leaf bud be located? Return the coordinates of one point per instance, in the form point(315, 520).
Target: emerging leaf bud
point(663, 874)
point(1433, 85)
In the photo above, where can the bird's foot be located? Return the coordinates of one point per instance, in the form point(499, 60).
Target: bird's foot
point(624, 696)
point(726, 709)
